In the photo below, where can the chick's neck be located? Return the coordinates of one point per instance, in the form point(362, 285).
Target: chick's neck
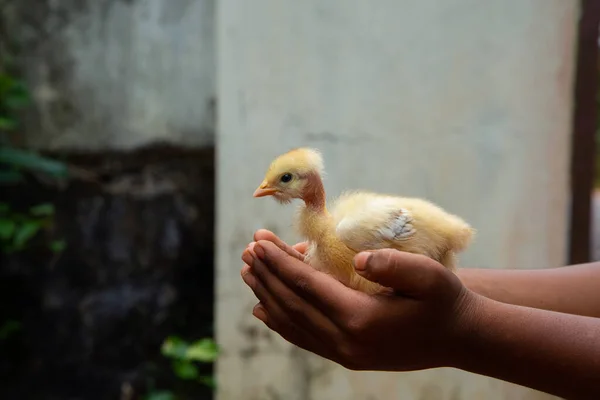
point(314, 220)
point(314, 194)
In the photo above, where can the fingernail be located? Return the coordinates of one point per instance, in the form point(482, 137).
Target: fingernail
point(259, 251)
point(247, 257)
point(250, 249)
point(361, 260)
point(259, 312)
point(248, 278)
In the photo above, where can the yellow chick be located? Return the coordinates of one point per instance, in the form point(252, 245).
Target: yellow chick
point(359, 220)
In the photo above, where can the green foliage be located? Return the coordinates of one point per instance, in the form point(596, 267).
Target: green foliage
point(58, 246)
point(42, 210)
point(203, 350)
point(25, 232)
point(17, 160)
point(208, 381)
point(13, 97)
point(184, 355)
point(161, 395)
point(18, 229)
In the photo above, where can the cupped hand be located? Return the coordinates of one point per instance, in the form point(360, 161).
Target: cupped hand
point(421, 323)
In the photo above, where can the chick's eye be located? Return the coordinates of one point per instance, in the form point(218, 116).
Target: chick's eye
point(285, 178)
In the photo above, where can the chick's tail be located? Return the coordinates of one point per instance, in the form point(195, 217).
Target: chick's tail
point(462, 237)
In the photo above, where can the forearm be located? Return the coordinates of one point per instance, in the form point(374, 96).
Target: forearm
point(544, 350)
point(572, 289)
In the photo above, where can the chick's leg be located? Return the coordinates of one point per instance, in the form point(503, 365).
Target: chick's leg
point(361, 284)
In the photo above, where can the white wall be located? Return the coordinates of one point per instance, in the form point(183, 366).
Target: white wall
point(123, 74)
point(467, 103)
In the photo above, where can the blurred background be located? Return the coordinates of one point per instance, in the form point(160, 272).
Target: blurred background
point(135, 131)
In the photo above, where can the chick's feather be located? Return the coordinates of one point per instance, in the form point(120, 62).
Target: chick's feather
point(370, 221)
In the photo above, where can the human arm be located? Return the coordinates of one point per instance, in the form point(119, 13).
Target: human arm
point(572, 289)
point(432, 321)
point(545, 350)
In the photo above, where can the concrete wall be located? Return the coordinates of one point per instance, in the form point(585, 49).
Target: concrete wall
point(467, 103)
point(118, 74)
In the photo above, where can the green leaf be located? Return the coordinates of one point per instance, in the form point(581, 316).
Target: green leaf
point(7, 124)
point(42, 210)
point(10, 177)
point(185, 370)
point(4, 208)
point(29, 160)
point(208, 381)
point(8, 328)
point(17, 96)
point(174, 347)
point(58, 246)
point(6, 83)
point(7, 228)
point(204, 350)
point(25, 232)
point(161, 395)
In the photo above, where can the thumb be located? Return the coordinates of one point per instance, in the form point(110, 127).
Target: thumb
point(409, 274)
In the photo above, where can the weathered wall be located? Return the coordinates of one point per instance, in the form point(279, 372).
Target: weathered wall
point(117, 74)
point(110, 75)
point(467, 103)
point(137, 268)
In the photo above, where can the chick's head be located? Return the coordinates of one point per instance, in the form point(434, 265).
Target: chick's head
point(291, 174)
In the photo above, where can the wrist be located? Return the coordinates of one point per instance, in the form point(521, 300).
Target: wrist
point(469, 277)
point(470, 314)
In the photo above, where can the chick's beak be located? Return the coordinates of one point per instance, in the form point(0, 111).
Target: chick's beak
point(264, 190)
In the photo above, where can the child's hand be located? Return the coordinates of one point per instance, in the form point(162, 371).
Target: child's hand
point(421, 324)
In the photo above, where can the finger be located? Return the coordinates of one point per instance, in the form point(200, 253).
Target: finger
point(293, 334)
point(263, 234)
point(325, 293)
point(266, 299)
point(275, 319)
point(301, 247)
point(270, 313)
point(276, 296)
point(409, 274)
